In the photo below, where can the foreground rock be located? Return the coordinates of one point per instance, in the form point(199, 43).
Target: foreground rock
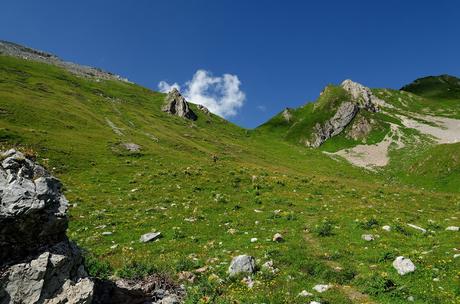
point(38, 264)
point(175, 104)
point(242, 264)
point(403, 265)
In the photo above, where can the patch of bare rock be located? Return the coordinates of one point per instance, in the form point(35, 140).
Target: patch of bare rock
point(175, 104)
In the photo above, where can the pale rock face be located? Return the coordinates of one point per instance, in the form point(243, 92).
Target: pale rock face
point(362, 98)
point(344, 115)
point(176, 104)
point(242, 264)
point(40, 264)
point(403, 265)
point(287, 115)
point(32, 209)
point(363, 95)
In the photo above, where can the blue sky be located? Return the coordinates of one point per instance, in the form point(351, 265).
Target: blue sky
point(282, 52)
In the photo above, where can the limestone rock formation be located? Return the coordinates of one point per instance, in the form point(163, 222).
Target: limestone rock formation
point(287, 115)
point(176, 104)
point(362, 98)
point(38, 264)
point(344, 115)
point(361, 94)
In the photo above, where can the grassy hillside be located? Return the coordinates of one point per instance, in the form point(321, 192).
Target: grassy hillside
point(209, 211)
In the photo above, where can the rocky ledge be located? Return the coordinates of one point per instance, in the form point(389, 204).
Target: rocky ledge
point(38, 263)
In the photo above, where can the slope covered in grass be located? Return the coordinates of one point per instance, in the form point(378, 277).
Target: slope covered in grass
point(209, 211)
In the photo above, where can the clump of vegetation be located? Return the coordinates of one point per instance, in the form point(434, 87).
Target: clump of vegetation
point(326, 228)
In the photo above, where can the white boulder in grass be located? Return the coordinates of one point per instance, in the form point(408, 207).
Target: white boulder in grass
point(367, 237)
point(148, 237)
point(321, 287)
point(453, 228)
point(242, 264)
point(403, 265)
point(305, 293)
point(386, 228)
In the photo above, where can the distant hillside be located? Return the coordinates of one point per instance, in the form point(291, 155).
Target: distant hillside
point(435, 87)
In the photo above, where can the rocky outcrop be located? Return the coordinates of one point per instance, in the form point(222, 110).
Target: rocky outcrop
point(38, 264)
point(16, 50)
point(287, 115)
point(344, 115)
point(176, 104)
point(203, 109)
point(361, 98)
point(362, 95)
point(360, 128)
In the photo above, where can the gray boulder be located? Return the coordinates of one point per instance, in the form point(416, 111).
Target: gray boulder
point(242, 264)
point(148, 237)
point(39, 264)
point(54, 276)
point(32, 208)
point(403, 265)
point(175, 104)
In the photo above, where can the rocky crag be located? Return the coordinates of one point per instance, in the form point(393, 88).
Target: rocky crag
point(38, 263)
point(16, 50)
point(175, 104)
point(361, 98)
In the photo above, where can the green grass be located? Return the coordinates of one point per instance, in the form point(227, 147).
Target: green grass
point(206, 211)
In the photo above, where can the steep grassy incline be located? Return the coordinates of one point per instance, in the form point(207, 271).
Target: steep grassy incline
point(208, 211)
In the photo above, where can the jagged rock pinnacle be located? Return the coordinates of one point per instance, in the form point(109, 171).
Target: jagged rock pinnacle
point(176, 104)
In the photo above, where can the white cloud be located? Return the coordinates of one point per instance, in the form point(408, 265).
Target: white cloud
point(165, 87)
point(221, 95)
